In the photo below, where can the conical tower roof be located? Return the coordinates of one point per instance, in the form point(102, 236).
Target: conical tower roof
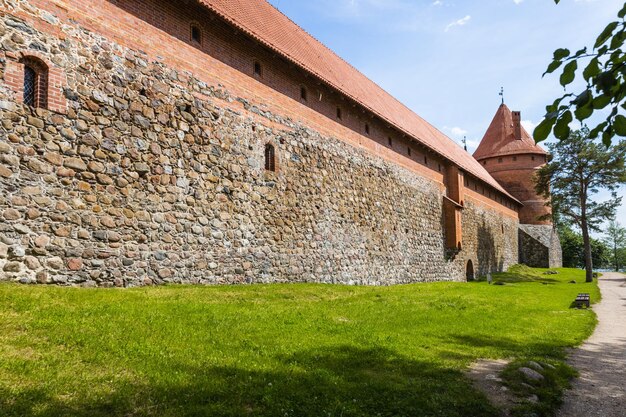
point(505, 138)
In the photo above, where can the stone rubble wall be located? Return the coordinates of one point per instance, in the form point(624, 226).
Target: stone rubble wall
point(152, 176)
point(556, 251)
point(540, 246)
point(489, 239)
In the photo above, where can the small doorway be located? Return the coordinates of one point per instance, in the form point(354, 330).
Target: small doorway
point(469, 271)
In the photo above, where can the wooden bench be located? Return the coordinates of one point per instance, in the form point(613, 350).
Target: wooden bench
point(582, 299)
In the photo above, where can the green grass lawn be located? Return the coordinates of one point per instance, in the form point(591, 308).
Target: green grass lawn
point(276, 350)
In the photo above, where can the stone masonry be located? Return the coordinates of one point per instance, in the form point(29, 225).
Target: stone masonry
point(153, 176)
point(539, 246)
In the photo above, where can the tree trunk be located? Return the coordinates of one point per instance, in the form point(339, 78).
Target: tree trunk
point(587, 246)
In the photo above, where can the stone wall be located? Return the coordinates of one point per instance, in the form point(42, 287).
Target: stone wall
point(490, 239)
point(540, 246)
point(153, 176)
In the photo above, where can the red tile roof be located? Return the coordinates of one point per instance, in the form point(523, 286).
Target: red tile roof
point(500, 140)
point(269, 26)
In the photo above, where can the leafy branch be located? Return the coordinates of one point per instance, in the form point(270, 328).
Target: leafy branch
point(605, 75)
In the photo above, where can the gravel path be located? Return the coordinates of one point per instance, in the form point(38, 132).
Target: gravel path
point(601, 389)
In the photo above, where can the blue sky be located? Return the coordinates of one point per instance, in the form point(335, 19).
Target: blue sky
point(447, 59)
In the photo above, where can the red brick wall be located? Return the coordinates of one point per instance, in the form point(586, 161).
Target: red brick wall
point(515, 173)
point(226, 56)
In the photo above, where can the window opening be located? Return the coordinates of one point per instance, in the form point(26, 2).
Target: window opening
point(35, 83)
point(270, 158)
point(30, 86)
point(196, 34)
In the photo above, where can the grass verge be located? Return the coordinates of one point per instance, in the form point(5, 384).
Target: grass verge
point(275, 350)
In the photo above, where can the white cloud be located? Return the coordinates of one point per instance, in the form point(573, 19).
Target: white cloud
point(457, 131)
point(438, 3)
point(459, 22)
point(517, 1)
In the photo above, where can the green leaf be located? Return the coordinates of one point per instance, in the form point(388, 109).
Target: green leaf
point(601, 102)
point(605, 81)
point(543, 129)
point(583, 113)
point(561, 53)
point(616, 58)
point(554, 65)
point(619, 125)
point(618, 40)
point(596, 130)
point(562, 129)
point(592, 69)
point(622, 12)
point(569, 73)
point(605, 35)
point(580, 52)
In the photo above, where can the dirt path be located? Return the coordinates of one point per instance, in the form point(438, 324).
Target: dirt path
point(601, 389)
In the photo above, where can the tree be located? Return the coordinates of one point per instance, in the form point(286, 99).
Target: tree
point(622, 256)
point(605, 74)
point(616, 240)
point(572, 247)
point(574, 252)
point(579, 169)
point(600, 254)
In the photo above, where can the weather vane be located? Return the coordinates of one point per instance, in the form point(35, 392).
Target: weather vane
point(502, 94)
point(465, 142)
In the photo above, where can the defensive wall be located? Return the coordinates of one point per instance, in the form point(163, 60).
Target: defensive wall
point(149, 164)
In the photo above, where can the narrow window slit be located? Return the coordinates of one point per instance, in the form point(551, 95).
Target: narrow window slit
point(30, 86)
point(270, 158)
point(196, 34)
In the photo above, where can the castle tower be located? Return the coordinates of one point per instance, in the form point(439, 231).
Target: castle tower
point(511, 156)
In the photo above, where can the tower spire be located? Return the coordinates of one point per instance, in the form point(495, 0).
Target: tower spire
point(502, 94)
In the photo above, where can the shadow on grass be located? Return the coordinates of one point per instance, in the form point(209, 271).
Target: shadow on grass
point(511, 348)
point(342, 381)
point(521, 273)
point(512, 278)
